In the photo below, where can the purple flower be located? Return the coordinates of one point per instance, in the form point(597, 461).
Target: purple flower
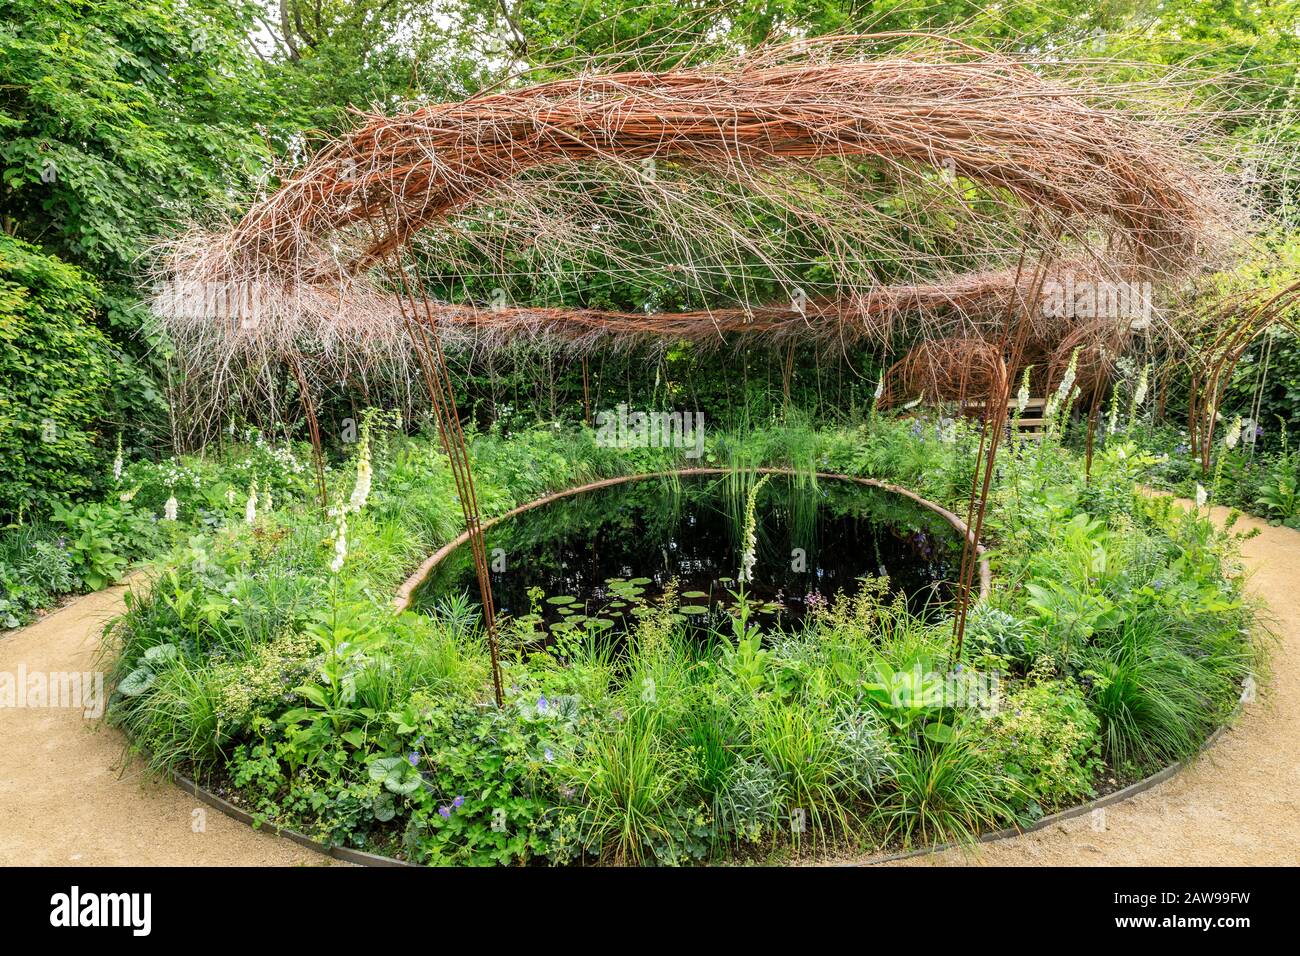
point(458, 802)
point(548, 755)
point(414, 758)
point(542, 704)
point(444, 812)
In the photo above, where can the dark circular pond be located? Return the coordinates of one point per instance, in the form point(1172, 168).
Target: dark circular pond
point(588, 560)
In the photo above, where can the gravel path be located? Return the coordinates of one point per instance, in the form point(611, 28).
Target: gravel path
point(66, 796)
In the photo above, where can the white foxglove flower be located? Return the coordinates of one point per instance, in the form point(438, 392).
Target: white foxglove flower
point(340, 543)
point(1022, 396)
point(117, 462)
point(749, 556)
point(1140, 395)
point(880, 388)
point(361, 491)
point(1201, 496)
point(1234, 434)
point(1067, 381)
point(170, 509)
point(250, 507)
point(747, 562)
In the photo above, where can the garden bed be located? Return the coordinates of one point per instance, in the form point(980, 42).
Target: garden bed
point(1117, 794)
point(1114, 621)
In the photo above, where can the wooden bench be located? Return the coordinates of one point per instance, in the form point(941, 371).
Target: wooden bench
point(1031, 421)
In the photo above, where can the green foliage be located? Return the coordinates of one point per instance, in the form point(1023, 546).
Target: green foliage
point(631, 783)
point(1160, 690)
point(100, 537)
point(120, 117)
point(1045, 738)
point(56, 369)
point(943, 792)
point(251, 661)
point(35, 569)
point(1279, 488)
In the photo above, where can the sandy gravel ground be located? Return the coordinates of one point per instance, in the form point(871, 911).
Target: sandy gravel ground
point(67, 798)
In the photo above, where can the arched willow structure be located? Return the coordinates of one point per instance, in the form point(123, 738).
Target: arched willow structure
point(936, 188)
point(1232, 325)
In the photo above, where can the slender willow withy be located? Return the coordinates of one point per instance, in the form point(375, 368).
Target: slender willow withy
point(433, 366)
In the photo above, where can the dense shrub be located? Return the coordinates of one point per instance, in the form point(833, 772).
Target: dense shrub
point(56, 368)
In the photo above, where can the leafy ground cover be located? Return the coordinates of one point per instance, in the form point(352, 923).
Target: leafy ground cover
point(266, 660)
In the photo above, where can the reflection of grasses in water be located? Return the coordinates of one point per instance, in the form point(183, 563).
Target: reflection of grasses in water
point(651, 510)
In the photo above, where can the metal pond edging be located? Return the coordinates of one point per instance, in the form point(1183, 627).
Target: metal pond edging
point(402, 600)
point(346, 854)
